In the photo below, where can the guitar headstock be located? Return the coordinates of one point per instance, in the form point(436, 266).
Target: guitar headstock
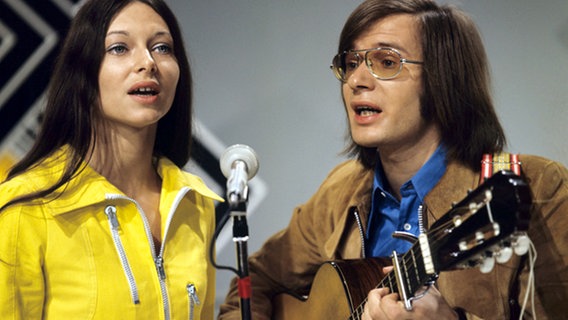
point(486, 226)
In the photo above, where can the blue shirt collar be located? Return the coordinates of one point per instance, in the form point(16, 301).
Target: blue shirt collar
point(423, 181)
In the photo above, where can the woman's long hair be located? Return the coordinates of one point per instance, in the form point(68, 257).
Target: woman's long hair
point(72, 109)
point(456, 81)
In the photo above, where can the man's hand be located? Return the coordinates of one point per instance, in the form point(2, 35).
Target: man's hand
point(382, 305)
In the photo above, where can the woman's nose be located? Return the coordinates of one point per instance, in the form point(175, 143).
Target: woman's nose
point(146, 62)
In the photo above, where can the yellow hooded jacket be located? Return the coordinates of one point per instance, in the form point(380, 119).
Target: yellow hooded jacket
point(86, 251)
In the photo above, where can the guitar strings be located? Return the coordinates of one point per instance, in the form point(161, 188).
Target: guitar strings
point(434, 235)
point(439, 232)
point(415, 251)
point(358, 312)
point(406, 260)
point(530, 285)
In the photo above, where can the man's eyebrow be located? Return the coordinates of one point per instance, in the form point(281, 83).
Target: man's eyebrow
point(392, 45)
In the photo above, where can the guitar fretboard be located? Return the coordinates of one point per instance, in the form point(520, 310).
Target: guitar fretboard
point(413, 274)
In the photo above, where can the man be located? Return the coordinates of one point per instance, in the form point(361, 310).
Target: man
point(415, 85)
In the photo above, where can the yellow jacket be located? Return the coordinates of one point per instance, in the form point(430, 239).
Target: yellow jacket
point(87, 253)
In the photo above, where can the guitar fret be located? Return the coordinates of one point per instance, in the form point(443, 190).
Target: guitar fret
point(358, 311)
point(414, 285)
point(415, 263)
point(389, 282)
point(419, 268)
point(406, 276)
point(413, 271)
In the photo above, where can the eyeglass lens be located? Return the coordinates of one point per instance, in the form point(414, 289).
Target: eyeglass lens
point(383, 63)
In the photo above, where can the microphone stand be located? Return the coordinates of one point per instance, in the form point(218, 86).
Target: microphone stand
point(239, 164)
point(240, 237)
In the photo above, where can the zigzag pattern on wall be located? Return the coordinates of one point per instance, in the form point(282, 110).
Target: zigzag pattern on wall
point(30, 33)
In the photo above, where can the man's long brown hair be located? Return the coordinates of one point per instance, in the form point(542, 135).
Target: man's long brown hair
point(456, 81)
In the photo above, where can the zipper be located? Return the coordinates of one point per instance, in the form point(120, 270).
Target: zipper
point(160, 267)
point(159, 261)
point(421, 228)
point(158, 258)
point(193, 299)
point(361, 231)
point(110, 212)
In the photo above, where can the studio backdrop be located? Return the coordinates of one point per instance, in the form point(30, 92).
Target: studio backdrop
point(262, 78)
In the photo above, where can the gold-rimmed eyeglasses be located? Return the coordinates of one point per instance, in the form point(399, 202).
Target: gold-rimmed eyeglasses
point(383, 63)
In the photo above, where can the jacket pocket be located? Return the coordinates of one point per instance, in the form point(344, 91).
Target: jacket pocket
point(193, 299)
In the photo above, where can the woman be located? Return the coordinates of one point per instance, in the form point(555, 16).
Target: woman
point(98, 221)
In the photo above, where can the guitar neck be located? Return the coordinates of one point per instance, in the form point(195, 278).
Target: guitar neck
point(414, 277)
point(496, 210)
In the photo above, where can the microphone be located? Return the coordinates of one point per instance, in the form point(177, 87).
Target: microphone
point(239, 164)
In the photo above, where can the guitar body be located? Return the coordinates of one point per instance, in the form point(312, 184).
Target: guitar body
point(338, 288)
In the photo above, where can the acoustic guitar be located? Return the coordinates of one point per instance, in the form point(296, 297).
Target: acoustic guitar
point(485, 227)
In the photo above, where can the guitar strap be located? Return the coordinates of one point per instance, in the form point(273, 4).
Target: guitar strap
point(490, 164)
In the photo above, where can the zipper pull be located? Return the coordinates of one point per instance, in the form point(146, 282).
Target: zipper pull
point(193, 298)
point(192, 291)
point(160, 267)
point(110, 211)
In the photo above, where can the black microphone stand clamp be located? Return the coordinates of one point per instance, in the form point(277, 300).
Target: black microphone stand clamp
point(238, 210)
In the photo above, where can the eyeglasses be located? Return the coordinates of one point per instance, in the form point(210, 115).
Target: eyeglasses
point(383, 63)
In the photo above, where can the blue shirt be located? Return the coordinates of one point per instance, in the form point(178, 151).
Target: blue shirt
point(389, 215)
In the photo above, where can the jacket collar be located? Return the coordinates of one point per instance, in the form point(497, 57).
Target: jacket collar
point(452, 187)
point(174, 179)
point(89, 188)
point(357, 181)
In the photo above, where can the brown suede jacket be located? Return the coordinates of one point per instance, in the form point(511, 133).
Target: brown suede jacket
point(329, 227)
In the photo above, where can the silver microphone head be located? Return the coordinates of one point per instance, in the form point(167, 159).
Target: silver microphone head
point(240, 152)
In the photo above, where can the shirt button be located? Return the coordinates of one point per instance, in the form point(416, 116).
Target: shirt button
point(407, 226)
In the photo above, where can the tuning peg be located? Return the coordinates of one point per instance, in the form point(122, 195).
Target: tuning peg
point(521, 244)
point(457, 220)
point(488, 195)
point(487, 263)
point(503, 254)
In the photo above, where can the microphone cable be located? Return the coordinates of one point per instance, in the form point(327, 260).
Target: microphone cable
point(218, 229)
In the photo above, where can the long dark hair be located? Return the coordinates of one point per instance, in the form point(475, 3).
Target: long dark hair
point(455, 77)
point(73, 92)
